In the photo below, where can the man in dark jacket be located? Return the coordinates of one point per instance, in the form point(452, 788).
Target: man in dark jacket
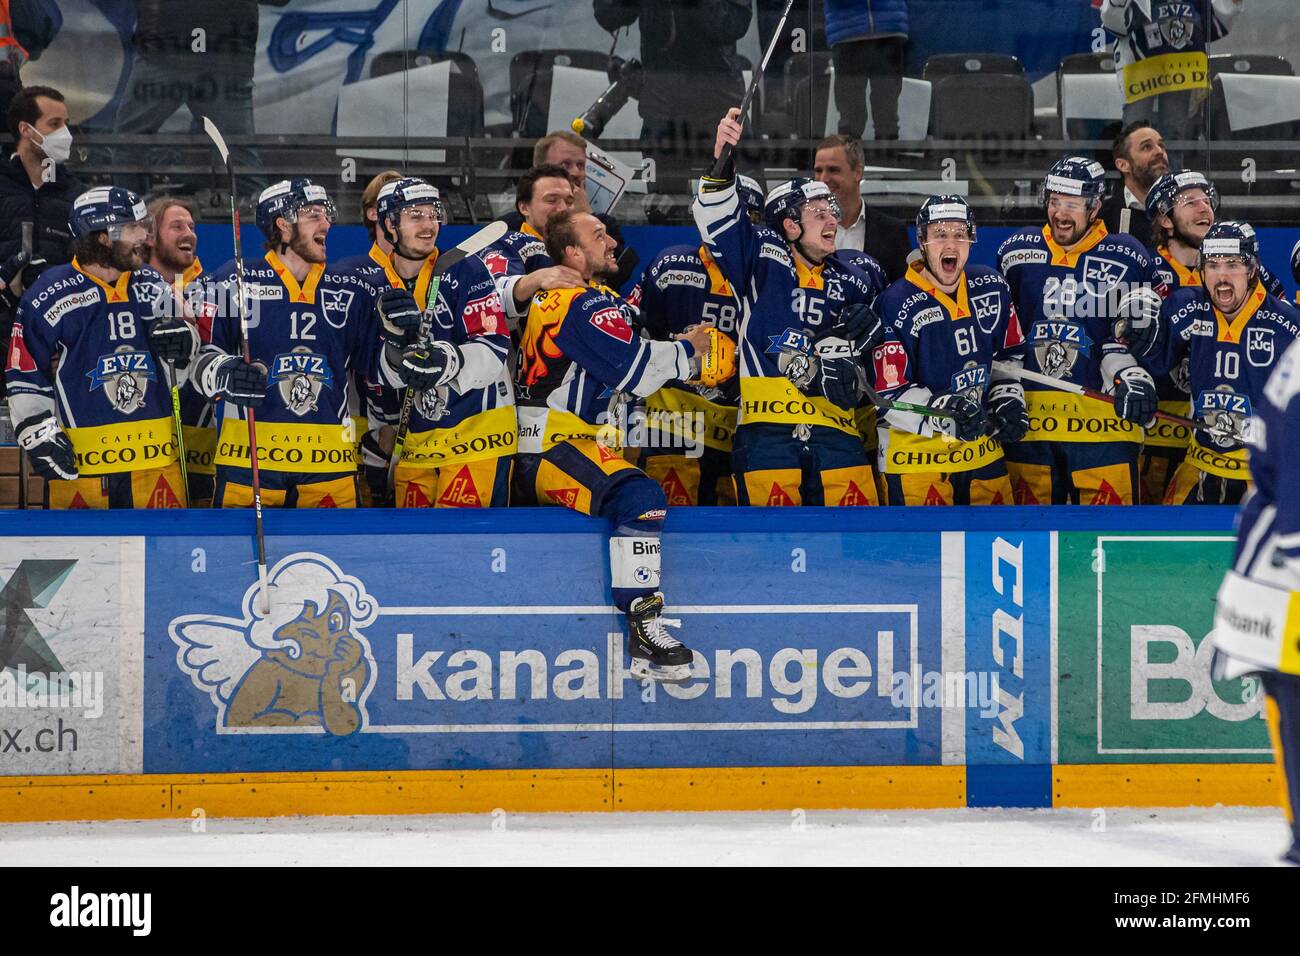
point(36, 188)
point(691, 73)
point(868, 40)
point(840, 164)
point(1140, 157)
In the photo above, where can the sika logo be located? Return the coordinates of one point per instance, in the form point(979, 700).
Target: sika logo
point(305, 666)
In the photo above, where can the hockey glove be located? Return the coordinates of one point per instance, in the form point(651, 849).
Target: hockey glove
point(240, 383)
point(374, 462)
point(1008, 416)
point(400, 319)
point(427, 366)
point(173, 340)
point(13, 267)
point(862, 327)
point(1138, 324)
point(968, 420)
point(1135, 396)
point(837, 372)
point(48, 448)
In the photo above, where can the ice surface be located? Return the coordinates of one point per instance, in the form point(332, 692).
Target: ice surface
point(1233, 836)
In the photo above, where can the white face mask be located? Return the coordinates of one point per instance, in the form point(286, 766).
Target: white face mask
point(57, 145)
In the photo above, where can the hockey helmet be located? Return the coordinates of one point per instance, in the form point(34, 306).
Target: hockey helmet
point(106, 209)
point(401, 193)
point(1231, 238)
point(1165, 190)
point(945, 209)
point(787, 200)
point(1075, 176)
point(285, 198)
point(751, 194)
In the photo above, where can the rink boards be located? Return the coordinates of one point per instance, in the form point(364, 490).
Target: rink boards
point(468, 661)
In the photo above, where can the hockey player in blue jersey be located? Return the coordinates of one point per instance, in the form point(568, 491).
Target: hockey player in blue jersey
point(1228, 334)
point(806, 330)
point(1255, 628)
point(693, 423)
point(946, 322)
point(582, 362)
point(310, 326)
point(94, 346)
point(1181, 208)
point(462, 432)
point(1073, 285)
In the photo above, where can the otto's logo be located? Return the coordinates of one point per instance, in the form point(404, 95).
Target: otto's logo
point(890, 361)
point(334, 303)
point(305, 665)
point(496, 262)
point(612, 323)
point(300, 375)
point(125, 376)
point(484, 316)
point(1259, 347)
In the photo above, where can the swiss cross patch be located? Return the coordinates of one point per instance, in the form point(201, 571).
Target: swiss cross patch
point(484, 316)
point(610, 321)
point(890, 360)
point(20, 360)
point(496, 262)
point(1014, 334)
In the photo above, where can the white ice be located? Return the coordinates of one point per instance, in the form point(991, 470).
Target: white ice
point(1233, 836)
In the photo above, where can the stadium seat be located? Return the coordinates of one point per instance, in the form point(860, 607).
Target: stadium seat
point(961, 64)
point(465, 90)
point(530, 85)
point(1087, 65)
point(1261, 64)
point(981, 106)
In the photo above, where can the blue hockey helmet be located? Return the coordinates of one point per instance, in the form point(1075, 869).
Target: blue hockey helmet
point(1165, 191)
point(401, 193)
point(106, 209)
point(285, 198)
point(1075, 176)
point(944, 209)
point(751, 194)
point(787, 200)
point(1231, 238)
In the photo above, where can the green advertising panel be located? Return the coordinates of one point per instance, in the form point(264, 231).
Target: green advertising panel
point(1134, 682)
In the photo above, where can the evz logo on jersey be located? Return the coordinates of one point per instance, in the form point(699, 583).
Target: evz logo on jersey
point(1259, 347)
point(1226, 414)
point(1176, 24)
point(334, 303)
point(791, 340)
point(610, 321)
point(971, 381)
point(1057, 346)
point(986, 307)
point(1101, 273)
point(300, 376)
point(125, 376)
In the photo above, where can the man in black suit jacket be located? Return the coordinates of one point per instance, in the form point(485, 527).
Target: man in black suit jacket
point(1140, 157)
point(839, 164)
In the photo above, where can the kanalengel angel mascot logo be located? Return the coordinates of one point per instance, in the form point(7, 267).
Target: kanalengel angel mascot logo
point(302, 667)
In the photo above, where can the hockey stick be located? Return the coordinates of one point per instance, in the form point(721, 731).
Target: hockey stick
point(1039, 379)
point(720, 165)
point(180, 434)
point(28, 245)
point(219, 141)
point(446, 260)
point(889, 405)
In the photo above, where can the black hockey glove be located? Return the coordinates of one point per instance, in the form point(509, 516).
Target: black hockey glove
point(48, 448)
point(1008, 416)
point(13, 266)
point(968, 420)
point(400, 319)
point(173, 340)
point(427, 366)
point(241, 383)
point(837, 372)
point(374, 461)
point(862, 327)
point(1135, 396)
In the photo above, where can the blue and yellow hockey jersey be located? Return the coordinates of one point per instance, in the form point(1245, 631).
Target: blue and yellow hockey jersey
point(784, 305)
point(515, 254)
point(937, 343)
point(1066, 302)
point(110, 394)
point(1228, 363)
